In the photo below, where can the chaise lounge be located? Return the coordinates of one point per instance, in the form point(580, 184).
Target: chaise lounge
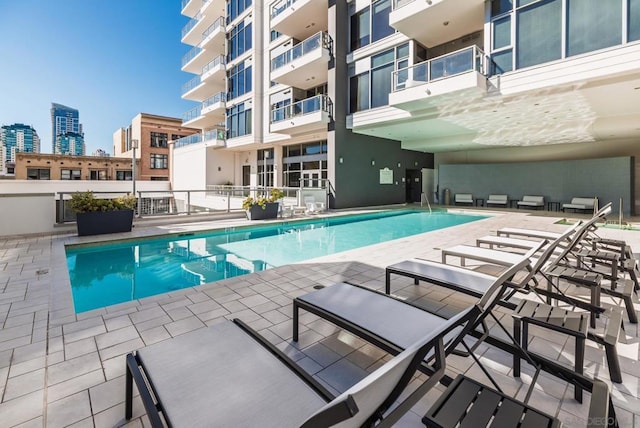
point(497, 200)
point(463, 198)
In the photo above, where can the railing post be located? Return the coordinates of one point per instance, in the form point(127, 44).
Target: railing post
point(61, 209)
point(138, 203)
point(188, 202)
point(229, 200)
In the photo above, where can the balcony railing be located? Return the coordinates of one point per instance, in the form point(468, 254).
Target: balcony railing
point(397, 4)
point(219, 60)
point(213, 27)
point(462, 61)
point(300, 108)
point(217, 98)
point(191, 114)
point(317, 41)
point(189, 140)
point(191, 55)
point(281, 6)
point(192, 23)
point(190, 84)
point(184, 4)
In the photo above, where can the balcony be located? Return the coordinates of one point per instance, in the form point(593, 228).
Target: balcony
point(299, 18)
point(461, 73)
point(304, 65)
point(195, 90)
point(190, 7)
point(215, 72)
point(193, 31)
point(309, 115)
point(213, 138)
point(213, 38)
point(434, 22)
point(209, 113)
point(194, 60)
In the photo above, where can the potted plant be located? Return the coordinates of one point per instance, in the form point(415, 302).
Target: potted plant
point(262, 207)
point(99, 216)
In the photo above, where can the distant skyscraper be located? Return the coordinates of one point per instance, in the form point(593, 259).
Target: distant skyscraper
point(18, 138)
point(69, 143)
point(64, 120)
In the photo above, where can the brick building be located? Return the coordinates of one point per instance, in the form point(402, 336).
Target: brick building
point(43, 166)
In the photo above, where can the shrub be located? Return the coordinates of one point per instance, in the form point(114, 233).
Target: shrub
point(84, 202)
point(262, 200)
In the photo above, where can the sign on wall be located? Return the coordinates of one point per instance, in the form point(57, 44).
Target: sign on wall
point(386, 176)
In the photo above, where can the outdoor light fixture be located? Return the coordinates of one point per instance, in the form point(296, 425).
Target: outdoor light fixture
point(373, 162)
point(340, 160)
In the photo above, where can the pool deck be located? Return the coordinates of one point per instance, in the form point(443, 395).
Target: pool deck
point(60, 369)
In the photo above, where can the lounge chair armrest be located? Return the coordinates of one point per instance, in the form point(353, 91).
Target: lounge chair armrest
point(333, 415)
point(133, 374)
point(599, 406)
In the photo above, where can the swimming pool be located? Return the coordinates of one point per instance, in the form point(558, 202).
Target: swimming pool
point(106, 274)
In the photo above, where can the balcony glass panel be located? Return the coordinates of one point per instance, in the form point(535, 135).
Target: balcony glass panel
point(192, 23)
point(215, 134)
point(462, 61)
point(190, 84)
point(191, 114)
point(186, 141)
point(190, 55)
point(397, 4)
point(300, 108)
point(281, 6)
point(307, 46)
point(213, 27)
point(219, 60)
point(217, 98)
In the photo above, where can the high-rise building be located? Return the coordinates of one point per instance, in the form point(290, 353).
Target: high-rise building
point(17, 138)
point(64, 120)
point(69, 143)
point(380, 97)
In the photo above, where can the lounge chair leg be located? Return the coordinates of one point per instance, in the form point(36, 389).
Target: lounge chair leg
point(387, 282)
point(613, 363)
point(577, 391)
point(296, 309)
point(631, 312)
point(128, 400)
point(516, 357)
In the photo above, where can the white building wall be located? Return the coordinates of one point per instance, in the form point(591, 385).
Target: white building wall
point(189, 171)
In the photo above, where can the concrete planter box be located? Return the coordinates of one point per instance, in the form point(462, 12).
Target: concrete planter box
point(257, 213)
point(101, 222)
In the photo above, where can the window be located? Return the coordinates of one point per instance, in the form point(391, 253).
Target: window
point(371, 24)
point(359, 92)
point(239, 80)
point(70, 174)
point(123, 175)
point(265, 178)
point(501, 6)
point(593, 25)
point(38, 174)
point(633, 21)
point(305, 164)
point(235, 8)
point(159, 161)
point(239, 41)
point(274, 35)
point(238, 121)
point(360, 29)
point(159, 139)
point(539, 33)
point(98, 174)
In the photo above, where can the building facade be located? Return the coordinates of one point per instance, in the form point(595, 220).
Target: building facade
point(69, 143)
point(65, 120)
point(152, 134)
point(348, 90)
point(41, 166)
point(16, 138)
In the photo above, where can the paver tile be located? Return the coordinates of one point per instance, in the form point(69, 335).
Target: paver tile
point(68, 410)
point(22, 409)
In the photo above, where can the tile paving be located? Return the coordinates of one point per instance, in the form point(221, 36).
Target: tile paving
point(60, 369)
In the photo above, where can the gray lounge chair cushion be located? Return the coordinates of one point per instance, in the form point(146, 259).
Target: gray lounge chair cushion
point(201, 376)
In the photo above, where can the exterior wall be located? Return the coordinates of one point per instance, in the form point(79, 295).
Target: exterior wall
point(609, 179)
point(190, 164)
point(56, 163)
point(27, 213)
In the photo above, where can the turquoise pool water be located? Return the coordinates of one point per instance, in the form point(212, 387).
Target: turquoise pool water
point(103, 275)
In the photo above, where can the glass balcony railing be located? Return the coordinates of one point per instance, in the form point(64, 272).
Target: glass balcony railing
point(219, 60)
point(300, 108)
point(186, 141)
point(192, 23)
point(190, 85)
point(217, 98)
point(185, 3)
point(218, 23)
point(281, 6)
point(190, 55)
point(191, 114)
point(397, 4)
point(215, 135)
point(315, 42)
point(462, 61)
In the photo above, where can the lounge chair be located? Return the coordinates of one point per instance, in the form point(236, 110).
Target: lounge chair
point(389, 323)
point(499, 200)
point(313, 207)
point(531, 202)
point(229, 376)
point(463, 198)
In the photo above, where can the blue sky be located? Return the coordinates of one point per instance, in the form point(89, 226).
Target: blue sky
point(110, 59)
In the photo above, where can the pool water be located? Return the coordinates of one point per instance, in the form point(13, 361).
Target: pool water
point(107, 274)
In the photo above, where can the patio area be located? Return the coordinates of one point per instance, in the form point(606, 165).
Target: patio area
point(60, 369)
